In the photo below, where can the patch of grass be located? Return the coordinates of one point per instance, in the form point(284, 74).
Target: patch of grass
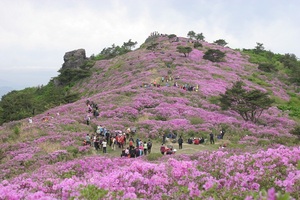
point(73, 150)
point(160, 118)
point(196, 120)
point(92, 192)
point(264, 143)
point(255, 79)
point(217, 76)
point(153, 156)
point(49, 147)
point(115, 66)
point(293, 106)
point(214, 99)
point(68, 174)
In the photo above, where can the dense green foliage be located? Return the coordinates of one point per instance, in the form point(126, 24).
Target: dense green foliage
point(296, 131)
point(214, 55)
point(267, 67)
point(292, 106)
point(221, 42)
point(92, 192)
point(195, 36)
point(184, 50)
point(17, 105)
point(171, 36)
point(191, 34)
point(276, 64)
point(269, 62)
point(152, 46)
point(248, 104)
point(197, 45)
point(71, 76)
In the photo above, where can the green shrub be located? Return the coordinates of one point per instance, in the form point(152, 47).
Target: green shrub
point(255, 79)
point(214, 100)
point(68, 174)
point(73, 150)
point(296, 131)
point(221, 42)
point(263, 143)
point(171, 36)
point(267, 67)
point(214, 55)
point(197, 44)
point(17, 130)
point(160, 118)
point(152, 46)
point(92, 192)
point(196, 120)
point(293, 106)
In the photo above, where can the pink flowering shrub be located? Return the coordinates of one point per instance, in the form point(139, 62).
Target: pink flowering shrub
point(173, 177)
point(46, 159)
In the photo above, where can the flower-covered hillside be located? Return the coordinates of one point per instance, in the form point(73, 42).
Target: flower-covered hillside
point(125, 88)
point(156, 91)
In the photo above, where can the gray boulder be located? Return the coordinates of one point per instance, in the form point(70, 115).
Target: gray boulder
point(74, 59)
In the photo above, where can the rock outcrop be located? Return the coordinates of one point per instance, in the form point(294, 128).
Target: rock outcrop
point(74, 59)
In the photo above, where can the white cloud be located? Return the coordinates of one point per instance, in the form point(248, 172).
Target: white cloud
point(36, 34)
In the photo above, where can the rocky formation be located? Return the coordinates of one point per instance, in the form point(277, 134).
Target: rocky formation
point(74, 59)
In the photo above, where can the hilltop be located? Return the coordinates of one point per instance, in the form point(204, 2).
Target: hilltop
point(48, 154)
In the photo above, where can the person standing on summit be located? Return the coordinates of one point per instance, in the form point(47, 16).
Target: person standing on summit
point(180, 141)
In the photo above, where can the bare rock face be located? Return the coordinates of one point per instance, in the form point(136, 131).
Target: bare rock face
point(74, 59)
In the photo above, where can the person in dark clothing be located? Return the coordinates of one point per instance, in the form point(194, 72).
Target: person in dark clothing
point(123, 153)
point(162, 149)
point(164, 138)
point(149, 146)
point(96, 144)
point(180, 141)
point(211, 138)
point(201, 140)
point(132, 152)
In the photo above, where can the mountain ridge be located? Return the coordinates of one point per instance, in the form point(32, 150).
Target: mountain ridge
point(49, 152)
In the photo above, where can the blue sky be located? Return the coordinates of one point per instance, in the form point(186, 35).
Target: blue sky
point(34, 34)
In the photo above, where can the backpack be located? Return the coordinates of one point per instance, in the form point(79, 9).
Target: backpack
point(149, 145)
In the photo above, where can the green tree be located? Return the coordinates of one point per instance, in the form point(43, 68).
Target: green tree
point(259, 47)
point(129, 45)
point(200, 37)
point(172, 36)
point(248, 104)
point(214, 55)
point(184, 50)
point(191, 34)
point(289, 61)
point(17, 105)
point(221, 42)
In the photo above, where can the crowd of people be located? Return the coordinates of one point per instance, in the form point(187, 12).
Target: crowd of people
point(167, 81)
point(132, 149)
point(103, 138)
